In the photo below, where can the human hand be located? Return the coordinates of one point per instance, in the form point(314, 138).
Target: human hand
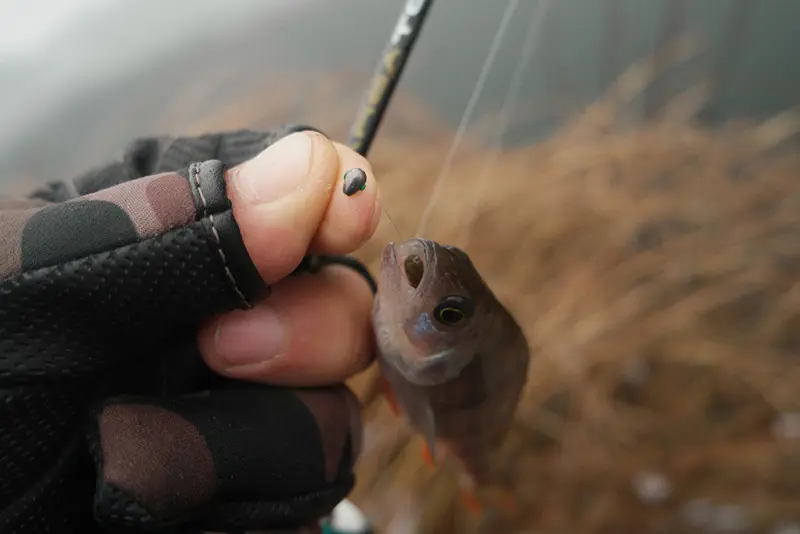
point(110, 303)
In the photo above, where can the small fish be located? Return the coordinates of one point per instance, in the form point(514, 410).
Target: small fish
point(453, 359)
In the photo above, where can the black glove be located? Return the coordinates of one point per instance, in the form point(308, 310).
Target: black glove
point(109, 420)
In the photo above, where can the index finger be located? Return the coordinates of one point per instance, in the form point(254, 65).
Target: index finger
point(288, 201)
point(349, 220)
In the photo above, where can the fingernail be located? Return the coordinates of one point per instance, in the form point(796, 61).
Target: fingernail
point(277, 171)
point(247, 337)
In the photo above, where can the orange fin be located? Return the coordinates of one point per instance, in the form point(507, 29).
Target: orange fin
point(428, 456)
point(507, 501)
point(469, 498)
point(389, 394)
point(504, 500)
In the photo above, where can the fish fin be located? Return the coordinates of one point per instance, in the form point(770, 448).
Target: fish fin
point(469, 498)
point(476, 500)
point(389, 394)
point(429, 435)
point(507, 501)
point(428, 455)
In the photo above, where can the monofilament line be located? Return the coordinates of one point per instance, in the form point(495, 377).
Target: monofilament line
point(511, 7)
point(512, 96)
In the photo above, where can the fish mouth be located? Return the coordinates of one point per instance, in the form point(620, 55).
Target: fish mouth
point(413, 258)
point(433, 370)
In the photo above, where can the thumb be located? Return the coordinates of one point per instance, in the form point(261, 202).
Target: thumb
point(289, 199)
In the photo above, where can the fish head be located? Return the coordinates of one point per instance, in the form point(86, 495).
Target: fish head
point(432, 310)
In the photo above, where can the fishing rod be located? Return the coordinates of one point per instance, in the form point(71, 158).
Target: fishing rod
point(369, 117)
point(387, 75)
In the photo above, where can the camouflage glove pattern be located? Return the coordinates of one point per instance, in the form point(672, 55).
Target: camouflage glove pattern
point(109, 419)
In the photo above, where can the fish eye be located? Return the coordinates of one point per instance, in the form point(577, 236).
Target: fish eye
point(453, 310)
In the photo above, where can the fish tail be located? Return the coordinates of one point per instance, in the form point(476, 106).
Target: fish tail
point(469, 498)
point(468, 495)
point(507, 501)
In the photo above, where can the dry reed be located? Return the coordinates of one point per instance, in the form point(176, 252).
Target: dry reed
point(654, 269)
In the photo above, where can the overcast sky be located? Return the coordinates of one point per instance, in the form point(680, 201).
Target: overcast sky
point(84, 66)
point(51, 49)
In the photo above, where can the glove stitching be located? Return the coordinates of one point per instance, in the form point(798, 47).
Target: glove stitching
point(195, 172)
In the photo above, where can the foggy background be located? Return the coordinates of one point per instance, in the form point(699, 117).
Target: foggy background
point(641, 256)
point(80, 78)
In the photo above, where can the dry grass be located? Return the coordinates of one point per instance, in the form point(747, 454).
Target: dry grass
point(655, 273)
point(655, 270)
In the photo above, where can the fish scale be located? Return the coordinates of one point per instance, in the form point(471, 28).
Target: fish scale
point(458, 384)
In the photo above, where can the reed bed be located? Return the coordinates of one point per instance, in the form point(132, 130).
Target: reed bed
point(654, 267)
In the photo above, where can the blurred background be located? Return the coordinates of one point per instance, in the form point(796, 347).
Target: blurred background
point(641, 218)
point(109, 70)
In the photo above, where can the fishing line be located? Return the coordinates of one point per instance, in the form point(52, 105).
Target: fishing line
point(391, 221)
point(385, 79)
point(511, 7)
point(368, 119)
point(512, 97)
